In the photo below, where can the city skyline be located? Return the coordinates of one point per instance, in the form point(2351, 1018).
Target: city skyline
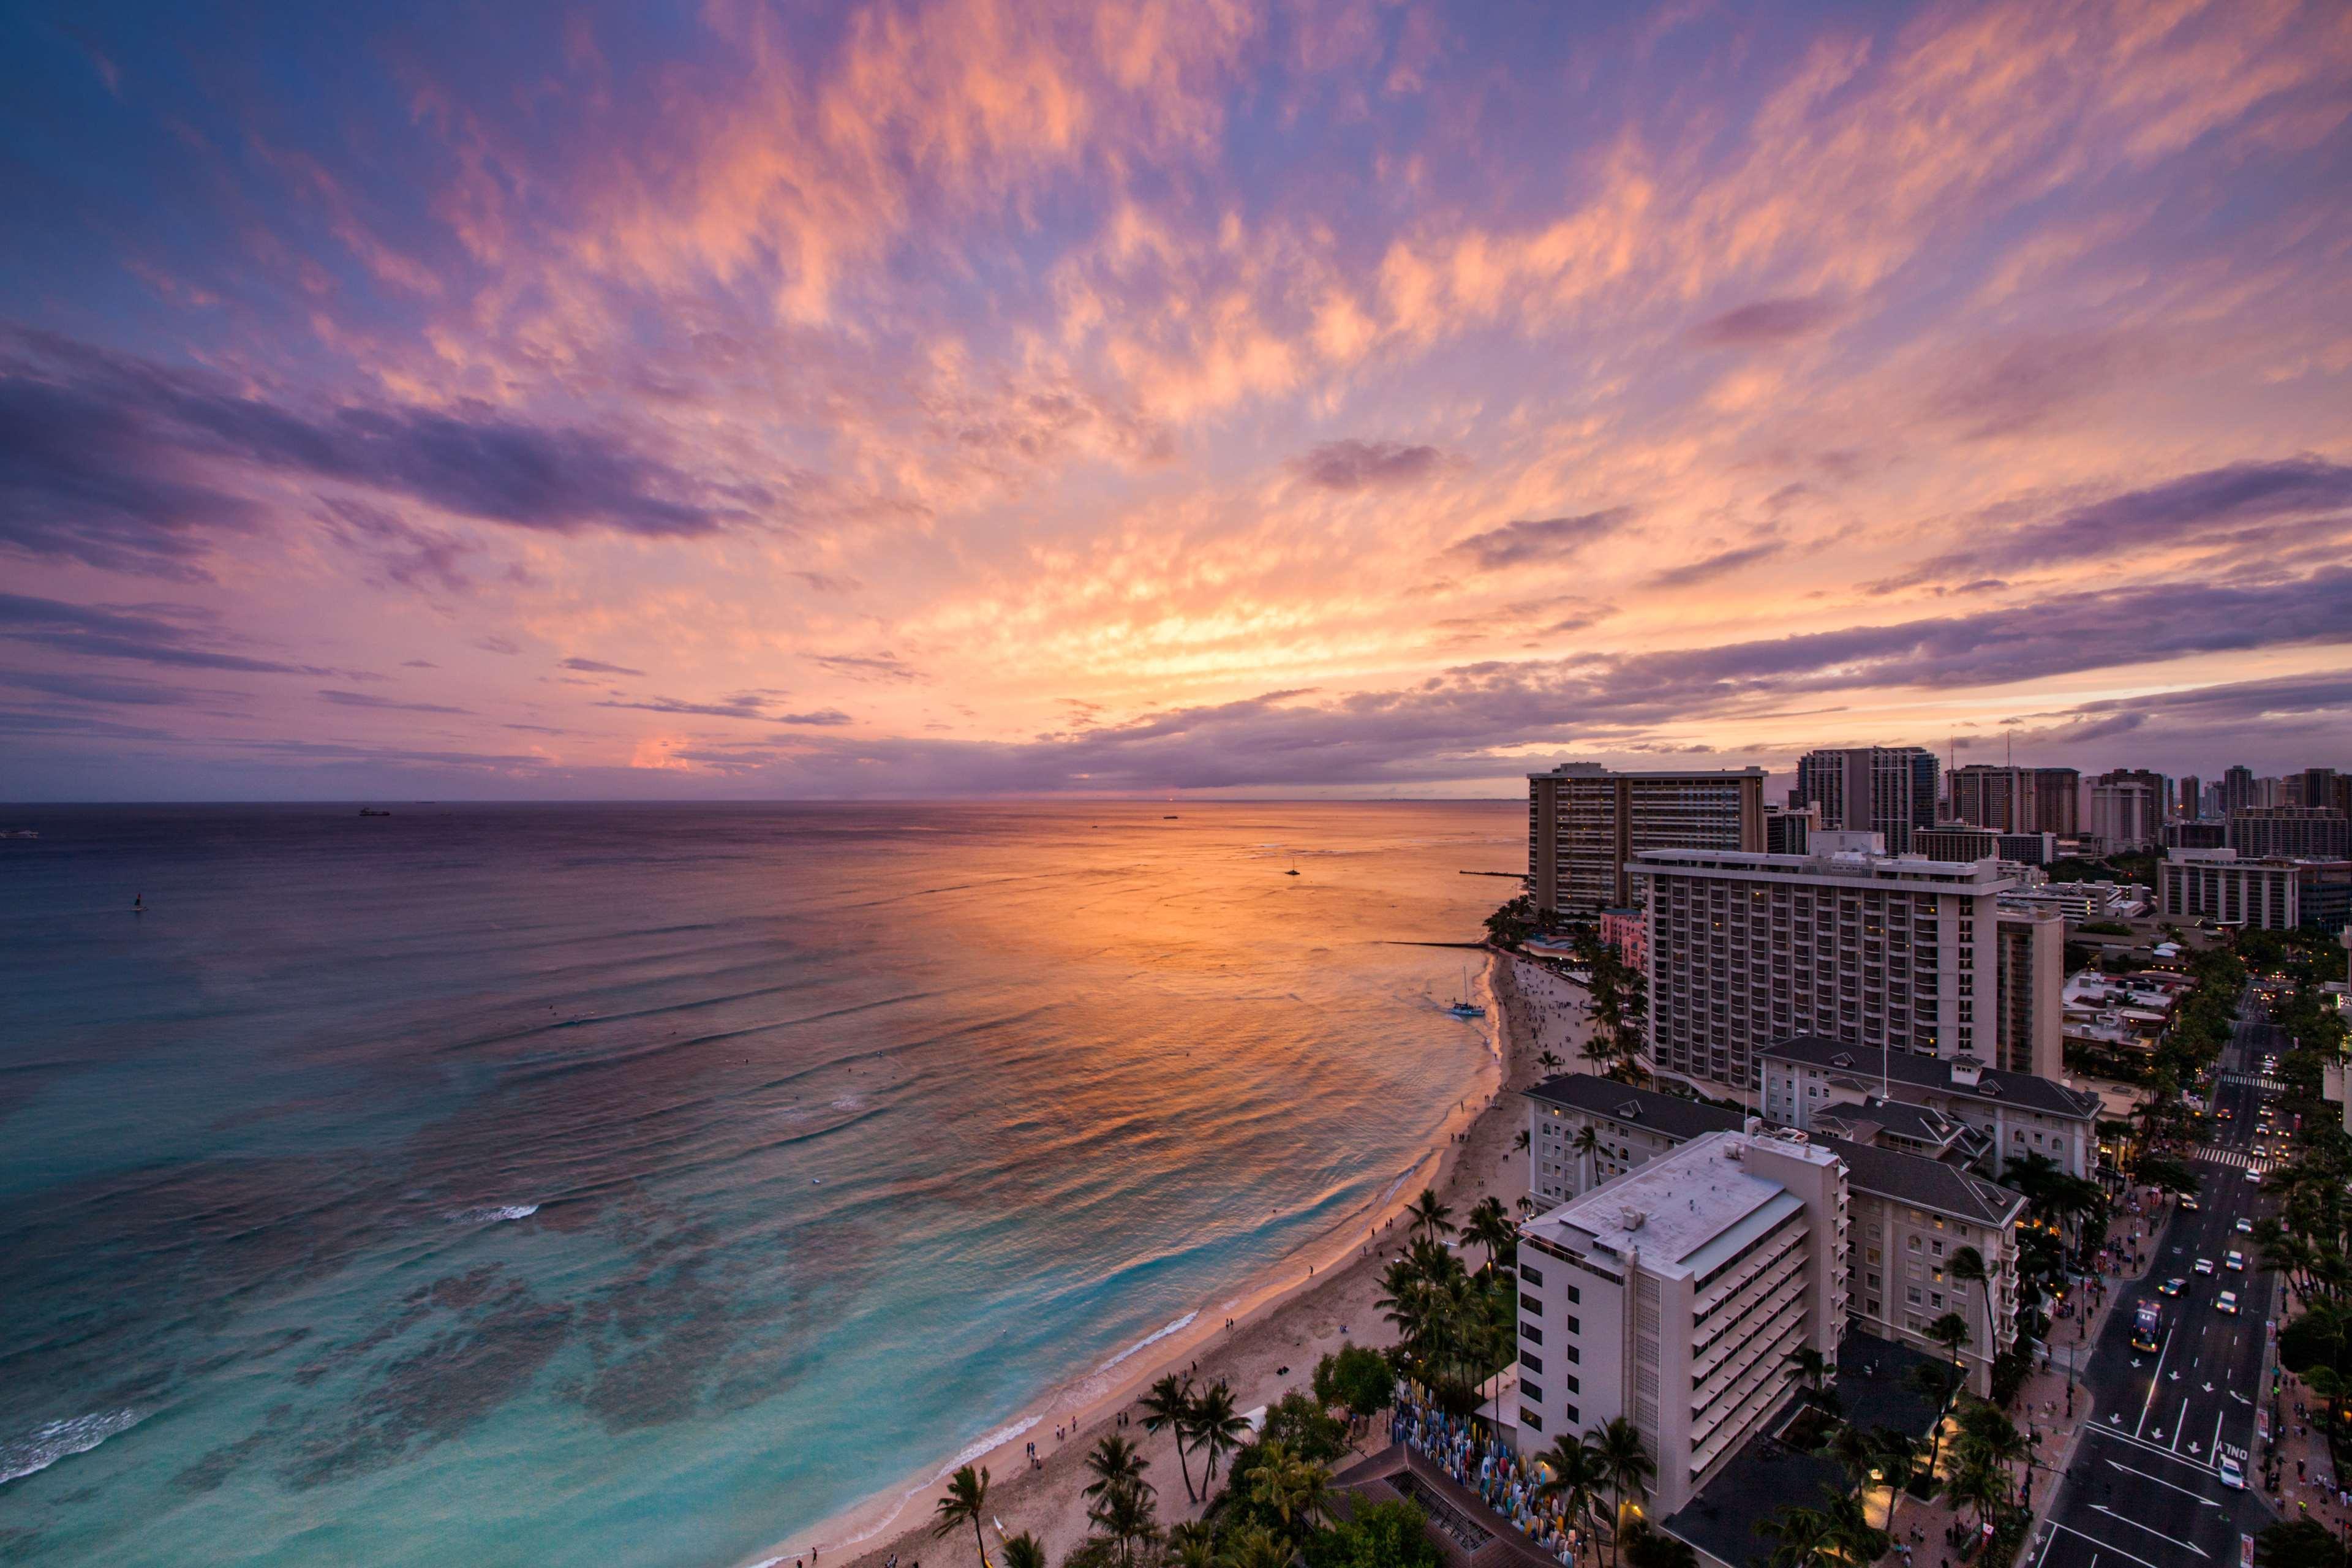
point(1350, 399)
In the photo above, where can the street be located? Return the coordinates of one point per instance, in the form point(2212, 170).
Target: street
point(2144, 1486)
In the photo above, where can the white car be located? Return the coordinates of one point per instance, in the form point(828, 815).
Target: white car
point(2233, 1475)
point(2235, 1259)
point(2227, 1302)
point(2255, 1177)
point(2204, 1266)
point(2245, 1227)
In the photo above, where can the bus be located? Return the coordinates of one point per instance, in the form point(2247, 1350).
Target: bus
point(2148, 1325)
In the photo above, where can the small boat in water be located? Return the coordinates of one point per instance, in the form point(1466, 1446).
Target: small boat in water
point(371, 811)
point(1294, 866)
point(1463, 1007)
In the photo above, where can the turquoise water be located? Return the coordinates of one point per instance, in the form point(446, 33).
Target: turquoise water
point(645, 1186)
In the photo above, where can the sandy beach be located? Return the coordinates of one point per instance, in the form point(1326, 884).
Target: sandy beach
point(1279, 1329)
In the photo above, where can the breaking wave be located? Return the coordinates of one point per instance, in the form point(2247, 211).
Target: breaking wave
point(61, 1440)
point(492, 1212)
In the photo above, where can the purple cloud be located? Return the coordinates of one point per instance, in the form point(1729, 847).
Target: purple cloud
point(598, 666)
point(1353, 465)
point(1539, 539)
point(108, 461)
point(1767, 321)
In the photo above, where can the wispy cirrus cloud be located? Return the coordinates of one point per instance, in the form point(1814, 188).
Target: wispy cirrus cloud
point(951, 363)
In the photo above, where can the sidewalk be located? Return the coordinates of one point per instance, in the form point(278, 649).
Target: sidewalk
point(2041, 1410)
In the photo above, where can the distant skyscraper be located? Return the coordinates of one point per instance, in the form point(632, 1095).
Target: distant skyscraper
point(2294, 832)
point(2192, 790)
point(1885, 790)
point(2127, 807)
point(2018, 800)
point(2237, 789)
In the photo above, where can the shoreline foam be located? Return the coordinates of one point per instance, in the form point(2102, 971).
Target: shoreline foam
point(1329, 1281)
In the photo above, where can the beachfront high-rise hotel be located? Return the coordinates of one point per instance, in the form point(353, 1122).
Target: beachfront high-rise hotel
point(1585, 822)
point(1846, 942)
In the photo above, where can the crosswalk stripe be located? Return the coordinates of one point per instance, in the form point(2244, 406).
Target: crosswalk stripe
point(2239, 1159)
point(2259, 1082)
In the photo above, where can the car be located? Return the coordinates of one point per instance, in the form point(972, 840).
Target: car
point(2226, 1114)
point(2227, 1302)
point(2189, 1205)
point(2204, 1266)
point(2234, 1259)
point(2172, 1286)
point(2233, 1475)
point(2245, 1226)
point(2255, 1177)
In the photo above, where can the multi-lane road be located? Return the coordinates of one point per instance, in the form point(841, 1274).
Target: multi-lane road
point(2145, 1486)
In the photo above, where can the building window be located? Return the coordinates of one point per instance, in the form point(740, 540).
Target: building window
point(1911, 1294)
point(1530, 1302)
point(1528, 1390)
point(1574, 1296)
point(1532, 1278)
point(1569, 1411)
point(1531, 1333)
point(1531, 1362)
point(1574, 1327)
point(1574, 1358)
point(1530, 1420)
point(1574, 1386)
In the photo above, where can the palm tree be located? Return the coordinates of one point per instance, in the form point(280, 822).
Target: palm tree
point(1115, 1461)
point(1124, 1513)
point(1549, 1060)
point(1951, 1331)
point(1255, 1546)
point(1617, 1447)
point(1164, 1407)
point(1023, 1551)
point(1808, 1366)
point(1898, 1454)
point(1217, 1428)
point(1431, 1217)
point(1855, 1454)
point(967, 1498)
point(1491, 1228)
point(1192, 1545)
point(1586, 1144)
point(1519, 1142)
point(1851, 1533)
point(1576, 1479)
point(1804, 1534)
point(1938, 1381)
point(1297, 1491)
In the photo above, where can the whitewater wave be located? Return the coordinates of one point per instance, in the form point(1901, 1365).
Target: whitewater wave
point(490, 1213)
point(979, 1446)
point(62, 1439)
point(1148, 1340)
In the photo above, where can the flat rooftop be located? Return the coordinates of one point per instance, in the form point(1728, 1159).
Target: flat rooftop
point(1683, 1208)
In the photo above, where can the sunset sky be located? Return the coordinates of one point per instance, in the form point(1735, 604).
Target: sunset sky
point(528, 400)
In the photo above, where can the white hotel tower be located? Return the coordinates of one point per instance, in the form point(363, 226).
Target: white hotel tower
point(1674, 1295)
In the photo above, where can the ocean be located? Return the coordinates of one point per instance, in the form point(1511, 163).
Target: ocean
point(645, 1184)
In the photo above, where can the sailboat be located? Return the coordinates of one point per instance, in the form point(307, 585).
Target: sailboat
point(1294, 866)
point(1463, 1006)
